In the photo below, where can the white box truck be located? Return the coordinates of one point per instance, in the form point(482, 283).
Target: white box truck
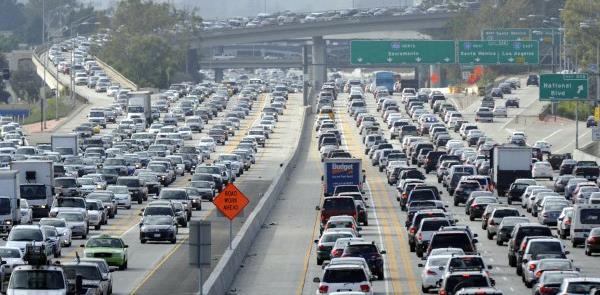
point(508, 163)
point(36, 184)
point(139, 105)
point(10, 211)
point(65, 144)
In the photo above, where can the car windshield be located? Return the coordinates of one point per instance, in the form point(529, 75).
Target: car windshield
point(92, 206)
point(158, 210)
point(582, 287)
point(158, 220)
point(344, 276)
point(118, 189)
point(70, 216)
point(590, 216)
point(104, 243)
point(37, 280)
point(65, 182)
point(26, 234)
point(434, 225)
point(87, 272)
point(339, 204)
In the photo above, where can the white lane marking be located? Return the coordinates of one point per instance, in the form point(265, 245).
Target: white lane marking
point(504, 278)
point(552, 134)
point(386, 268)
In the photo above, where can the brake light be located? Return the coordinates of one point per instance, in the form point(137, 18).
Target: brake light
point(412, 230)
point(321, 247)
point(568, 221)
point(323, 289)
point(592, 239)
point(466, 276)
point(420, 237)
point(404, 195)
point(431, 272)
point(365, 288)
point(544, 289)
point(532, 267)
point(473, 205)
point(443, 292)
point(337, 253)
point(538, 274)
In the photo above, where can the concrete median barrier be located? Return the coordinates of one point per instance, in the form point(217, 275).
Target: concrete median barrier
point(226, 269)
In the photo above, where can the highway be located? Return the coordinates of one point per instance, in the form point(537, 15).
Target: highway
point(284, 253)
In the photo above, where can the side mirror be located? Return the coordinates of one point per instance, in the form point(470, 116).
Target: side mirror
point(316, 280)
point(383, 252)
point(82, 245)
point(126, 246)
point(316, 241)
point(475, 241)
point(567, 252)
point(524, 261)
point(474, 235)
point(490, 267)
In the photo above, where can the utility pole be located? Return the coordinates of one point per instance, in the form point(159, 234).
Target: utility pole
point(43, 88)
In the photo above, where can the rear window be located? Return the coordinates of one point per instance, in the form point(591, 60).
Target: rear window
point(582, 287)
point(434, 225)
point(452, 241)
point(339, 204)
point(535, 231)
point(466, 262)
point(504, 213)
point(360, 249)
point(421, 195)
point(464, 281)
point(590, 216)
point(545, 247)
point(344, 276)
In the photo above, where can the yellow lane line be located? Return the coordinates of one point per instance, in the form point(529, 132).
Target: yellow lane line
point(355, 149)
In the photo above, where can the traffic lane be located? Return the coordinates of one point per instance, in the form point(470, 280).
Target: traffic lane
point(280, 254)
point(168, 277)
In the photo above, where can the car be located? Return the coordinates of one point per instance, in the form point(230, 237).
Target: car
point(112, 249)
point(500, 111)
point(327, 241)
point(455, 281)
point(122, 195)
point(592, 242)
point(505, 228)
point(537, 268)
point(520, 231)
point(549, 282)
point(496, 217)
point(105, 270)
point(96, 213)
point(64, 231)
point(533, 80)
point(432, 272)
point(578, 286)
point(368, 251)
point(591, 122)
point(90, 274)
point(453, 239)
point(21, 235)
point(546, 247)
point(52, 239)
point(542, 169)
point(26, 212)
point(77, 222)
point(344, 277)
point(158, 228)
point(511, 102)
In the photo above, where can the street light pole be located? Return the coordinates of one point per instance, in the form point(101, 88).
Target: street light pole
point(43, 88)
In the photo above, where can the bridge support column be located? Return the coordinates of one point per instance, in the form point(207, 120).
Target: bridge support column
point(434, 76)
point(319, 68)
point(218, 75)
point(191, 64)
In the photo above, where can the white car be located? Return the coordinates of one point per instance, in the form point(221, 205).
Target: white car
point(13, 257)
point(431, 273)
point(185, 132)
point(61, 226)
point(208, 142)
point(94, 211)
point(122, 195)
point(543, 146)
point(26, 213)
point(542, 169)
point(360, 280)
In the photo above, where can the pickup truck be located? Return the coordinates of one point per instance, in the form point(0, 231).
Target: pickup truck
point(588, 169)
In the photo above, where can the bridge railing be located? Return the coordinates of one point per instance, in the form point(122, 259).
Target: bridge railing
point(115, 75)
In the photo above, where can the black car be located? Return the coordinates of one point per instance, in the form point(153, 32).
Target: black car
point(533, 80)
point(370, 253)
point(463, 190)
point(158, 228)
point(511, 102)
point(591, 122)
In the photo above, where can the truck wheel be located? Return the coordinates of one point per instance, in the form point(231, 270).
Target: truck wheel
point(97, 227)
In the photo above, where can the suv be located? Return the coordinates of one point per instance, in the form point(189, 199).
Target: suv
point(346, 277)
point(425, 231)
point(533, 80)
point(521, 231)
point(368, 251)
point(455, 281)
point(453, 239)
point(334, 206)
point(540, 248)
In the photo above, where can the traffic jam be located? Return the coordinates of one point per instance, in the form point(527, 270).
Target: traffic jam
point(146, 162)
point(476, 211)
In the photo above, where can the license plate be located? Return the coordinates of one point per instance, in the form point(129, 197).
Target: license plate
point(157, 235)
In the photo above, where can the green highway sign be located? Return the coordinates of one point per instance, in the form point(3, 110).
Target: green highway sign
point(563, 87)
point(368, 52)
point(505, 34)
point(546, 35)
point(498, 52)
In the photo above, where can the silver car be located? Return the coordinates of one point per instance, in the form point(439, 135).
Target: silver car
point(500, 111)
point(76, 222)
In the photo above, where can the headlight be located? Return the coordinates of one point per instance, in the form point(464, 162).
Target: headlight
point(43, 206)
point(7, 221)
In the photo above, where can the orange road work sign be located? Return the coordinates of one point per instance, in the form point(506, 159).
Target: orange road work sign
point(231, 201)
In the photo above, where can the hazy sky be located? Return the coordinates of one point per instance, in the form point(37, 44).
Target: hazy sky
point(211, 9)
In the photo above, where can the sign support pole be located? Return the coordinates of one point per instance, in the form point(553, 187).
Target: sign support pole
point(577, 124)
point(230, 233)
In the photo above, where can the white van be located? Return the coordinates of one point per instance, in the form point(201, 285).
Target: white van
point(45, 279)
point(585, 217)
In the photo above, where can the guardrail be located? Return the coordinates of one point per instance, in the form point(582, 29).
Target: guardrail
point(224, 273)
point(118, 77)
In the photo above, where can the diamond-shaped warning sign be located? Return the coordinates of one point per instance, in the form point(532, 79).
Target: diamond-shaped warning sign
point(231, 201)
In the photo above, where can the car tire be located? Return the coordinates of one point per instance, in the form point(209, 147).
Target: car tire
point(562, 235)
point(84, 237)
point(381, 276)
point(411, 247)
point(97, 227)
point(509, 201)
point(587, 252)
point(419, 252)
point(490, 236)
point(173, 241)
point(498, 242)
point(424, 290)
point(512, 261)
point(139, 201)
point(143, 241)
point(128, 207)
point(471, 217)
point(518, 270)
point(319, 261)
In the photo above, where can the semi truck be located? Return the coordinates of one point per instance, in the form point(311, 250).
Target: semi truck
point(508, 163)
point(65, 144)
point(10, 211)
point(139, 106)
point(341, 172)
point(36, 184)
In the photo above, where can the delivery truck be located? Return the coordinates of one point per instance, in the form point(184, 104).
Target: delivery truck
point(508, 163)
point(139, 106)
point(65, 144)
point(341, 172)
point(10, 211)
point(36, 184)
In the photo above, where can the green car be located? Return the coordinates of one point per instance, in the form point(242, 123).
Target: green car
point(112, 249)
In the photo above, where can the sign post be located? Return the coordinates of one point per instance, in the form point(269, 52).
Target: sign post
point(200, 243)
point(365, 52)
point(231, 201)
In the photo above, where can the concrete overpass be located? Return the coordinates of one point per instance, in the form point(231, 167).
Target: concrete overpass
point(316, 31)
point(258, 63)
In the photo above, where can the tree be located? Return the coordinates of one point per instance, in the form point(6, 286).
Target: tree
point(26, 84)
point(142, 43)
point(11, 15)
